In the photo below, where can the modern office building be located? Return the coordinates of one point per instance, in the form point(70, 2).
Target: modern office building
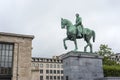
point(15, 56)
point(47, 68)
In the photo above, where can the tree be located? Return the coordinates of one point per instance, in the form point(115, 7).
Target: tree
point(106, 52)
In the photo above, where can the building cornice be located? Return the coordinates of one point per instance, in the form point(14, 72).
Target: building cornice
point(16, 35)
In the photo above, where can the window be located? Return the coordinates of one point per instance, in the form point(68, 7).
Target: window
point(50, 65)
point(66, 77)
point(36, 64)
point(54, 65)
point(54, 77)
point(58, 72)
point(61, 66)
point(51, 77)
point(6, 57)
point(51, 71)
point(47, 65)
point(47, 77)
point(58, 66)
point(61, 77)
point(58, 77)
point(54, 71)
point(47, 71)
point(41, 71)
point(41, 65)
point(61, 71)
point(41, 77)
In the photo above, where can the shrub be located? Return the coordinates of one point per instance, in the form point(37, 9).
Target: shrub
point(111, 71)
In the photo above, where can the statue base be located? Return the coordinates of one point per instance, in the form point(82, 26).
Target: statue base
point(82, 66)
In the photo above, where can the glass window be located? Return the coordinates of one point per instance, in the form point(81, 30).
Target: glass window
point(10, 53)
point(47, 77)
point(51, 71)
point(54, 71)
point(66, 77)
point(7, 53)
point(47, 71)
point(10, 59)
point(61, 66)
point(11, 47)
point(61, 77)
point(54, 77)
point(54, 65)
point(61, 71)
point(41, 65)
point(58, 71)
point(3, 46)
point(41, 71)
point(6, 56)
point(41, 77)
point(7, 47)
point(47, 65)
point(51, 77)
point(58, 66)
point(58, 77)
point(50, 65)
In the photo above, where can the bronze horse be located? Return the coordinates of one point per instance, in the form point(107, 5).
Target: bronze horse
point(72, 34)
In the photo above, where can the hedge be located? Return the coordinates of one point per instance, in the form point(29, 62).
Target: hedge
point(111, 71)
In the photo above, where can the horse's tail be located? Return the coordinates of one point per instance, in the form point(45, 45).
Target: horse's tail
point(93, 33)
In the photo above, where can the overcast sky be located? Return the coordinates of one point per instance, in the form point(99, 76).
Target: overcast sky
point(42, 18)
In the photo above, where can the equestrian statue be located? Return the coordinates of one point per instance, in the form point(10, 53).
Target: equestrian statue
point(77, 31)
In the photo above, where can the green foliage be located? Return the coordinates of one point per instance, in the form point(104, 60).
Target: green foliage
point(107, 61)
point(105, 50)
point(111, 71)
point(110, 67)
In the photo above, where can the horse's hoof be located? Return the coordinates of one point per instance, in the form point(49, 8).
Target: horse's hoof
point(65, 47)
point(75, 49)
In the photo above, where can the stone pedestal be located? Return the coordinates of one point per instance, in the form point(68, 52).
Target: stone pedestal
point(82, 66)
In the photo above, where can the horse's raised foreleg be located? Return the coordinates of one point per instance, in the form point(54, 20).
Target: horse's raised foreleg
point(64, 43)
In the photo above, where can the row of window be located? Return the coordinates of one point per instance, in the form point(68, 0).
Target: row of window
point(48, 65)
point(52, 77)
point(45, 60)
point(52, 71)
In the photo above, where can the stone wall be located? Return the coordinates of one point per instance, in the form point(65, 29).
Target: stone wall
point(22, 54)
point(82, 66)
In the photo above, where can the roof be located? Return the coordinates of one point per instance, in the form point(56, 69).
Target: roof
point(16, 35)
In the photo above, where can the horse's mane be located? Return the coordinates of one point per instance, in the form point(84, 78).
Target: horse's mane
point(68, 21)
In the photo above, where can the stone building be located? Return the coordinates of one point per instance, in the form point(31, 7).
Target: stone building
point(15, 56)
point(47, 68)
point(115, 57)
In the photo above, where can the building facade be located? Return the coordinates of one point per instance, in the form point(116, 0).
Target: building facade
point(47, 68)
point(115, 57)
point(15, 56)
